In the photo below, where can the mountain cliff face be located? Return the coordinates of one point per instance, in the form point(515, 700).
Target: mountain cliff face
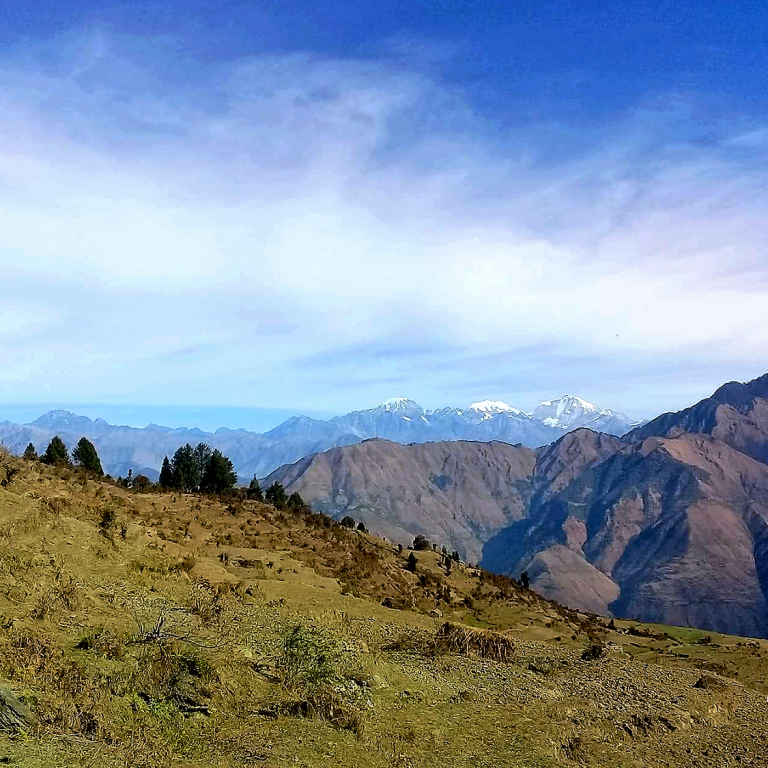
point(736, 413)
point(400, 419)
point(668, 523)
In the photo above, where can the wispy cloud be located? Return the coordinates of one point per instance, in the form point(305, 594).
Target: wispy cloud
point(201, 235)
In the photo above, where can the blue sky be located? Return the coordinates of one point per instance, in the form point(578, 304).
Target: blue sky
point(312, 207)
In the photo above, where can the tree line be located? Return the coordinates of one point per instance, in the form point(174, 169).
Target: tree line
point(191, 470)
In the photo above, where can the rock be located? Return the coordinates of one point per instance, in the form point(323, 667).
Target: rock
point(710, 683)
point(14, 716)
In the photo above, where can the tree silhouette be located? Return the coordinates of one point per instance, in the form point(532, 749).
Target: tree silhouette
point(220, 475)
point(85, 456)
point(166, 479)
point(56, 454)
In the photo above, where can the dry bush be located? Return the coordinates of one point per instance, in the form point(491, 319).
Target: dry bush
point(325, 705)
point(65, 592)
point(415, 641)
point(71, 701)
point(486, 643)
point(594, 651)
point(103, 642)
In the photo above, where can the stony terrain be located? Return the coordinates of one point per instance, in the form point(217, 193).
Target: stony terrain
point(151, 630)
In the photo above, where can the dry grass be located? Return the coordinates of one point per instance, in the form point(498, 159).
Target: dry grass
point(486, 643)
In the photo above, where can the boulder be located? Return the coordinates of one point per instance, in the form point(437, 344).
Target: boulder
point(14, 716)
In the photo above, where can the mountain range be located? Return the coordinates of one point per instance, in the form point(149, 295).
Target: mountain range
point(667, 523)
point(402, 420)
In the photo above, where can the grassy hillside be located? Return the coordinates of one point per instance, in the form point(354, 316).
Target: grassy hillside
point(168, 630)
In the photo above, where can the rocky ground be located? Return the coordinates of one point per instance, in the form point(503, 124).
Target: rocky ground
point(158, 634)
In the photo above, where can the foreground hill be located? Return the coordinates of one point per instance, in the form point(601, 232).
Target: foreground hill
point(401, 420)
point(162, 630)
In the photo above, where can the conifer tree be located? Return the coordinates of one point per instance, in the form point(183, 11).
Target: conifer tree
point(254, 490)
point(166, 479)
point(220, 475)
point(184, 468)
point(30, 454)
point(56, 454)
point(275, 495)
point(85, 456)
point(202, 455)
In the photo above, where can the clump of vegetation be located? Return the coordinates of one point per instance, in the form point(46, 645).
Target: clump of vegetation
point(594, 651)
point(103, 642)
point(308, 658)
point(486, 643)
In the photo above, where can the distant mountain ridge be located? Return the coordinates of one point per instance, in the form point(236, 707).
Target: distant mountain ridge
point(668, 523)
point(400, 419)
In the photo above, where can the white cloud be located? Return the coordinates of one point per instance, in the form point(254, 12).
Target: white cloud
point(198, 241)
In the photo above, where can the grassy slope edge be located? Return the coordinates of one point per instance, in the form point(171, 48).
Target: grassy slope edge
point(173, 630)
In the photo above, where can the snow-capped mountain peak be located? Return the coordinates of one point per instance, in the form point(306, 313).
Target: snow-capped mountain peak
point(490, 407)
point(401, 405)
point(571, 412)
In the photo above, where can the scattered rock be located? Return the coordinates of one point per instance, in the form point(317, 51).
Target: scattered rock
point(14, 716)
point(711, 683)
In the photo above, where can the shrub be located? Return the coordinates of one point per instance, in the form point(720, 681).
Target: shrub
point(348, 522)
point(308, 658)
point(594, 651)
point(30, 454)
point(421, 543)
point(486, 643)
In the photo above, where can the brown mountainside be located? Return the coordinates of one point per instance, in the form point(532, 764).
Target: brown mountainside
point(667, 524)
point(736, 413)
point(456, 493)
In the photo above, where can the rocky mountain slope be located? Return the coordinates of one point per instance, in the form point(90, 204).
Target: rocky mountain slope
point(458, 493)
point(736, 413)
point(668, 523)
point(400, 419)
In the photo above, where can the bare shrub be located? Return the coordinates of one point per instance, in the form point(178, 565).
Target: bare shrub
point(486, 643)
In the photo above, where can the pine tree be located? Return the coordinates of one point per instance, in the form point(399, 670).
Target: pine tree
point(184, 468)
point(525, 579)
point(220, 475)
point(296, 503)
point(85, 456)
point(411, 564)
point(202, 456)
point(254, 490)
point(275, 495)
point(30, 454)
point(166, 479)
point(56, 454)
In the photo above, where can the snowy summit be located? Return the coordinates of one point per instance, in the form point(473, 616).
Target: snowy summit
point(490, 407)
